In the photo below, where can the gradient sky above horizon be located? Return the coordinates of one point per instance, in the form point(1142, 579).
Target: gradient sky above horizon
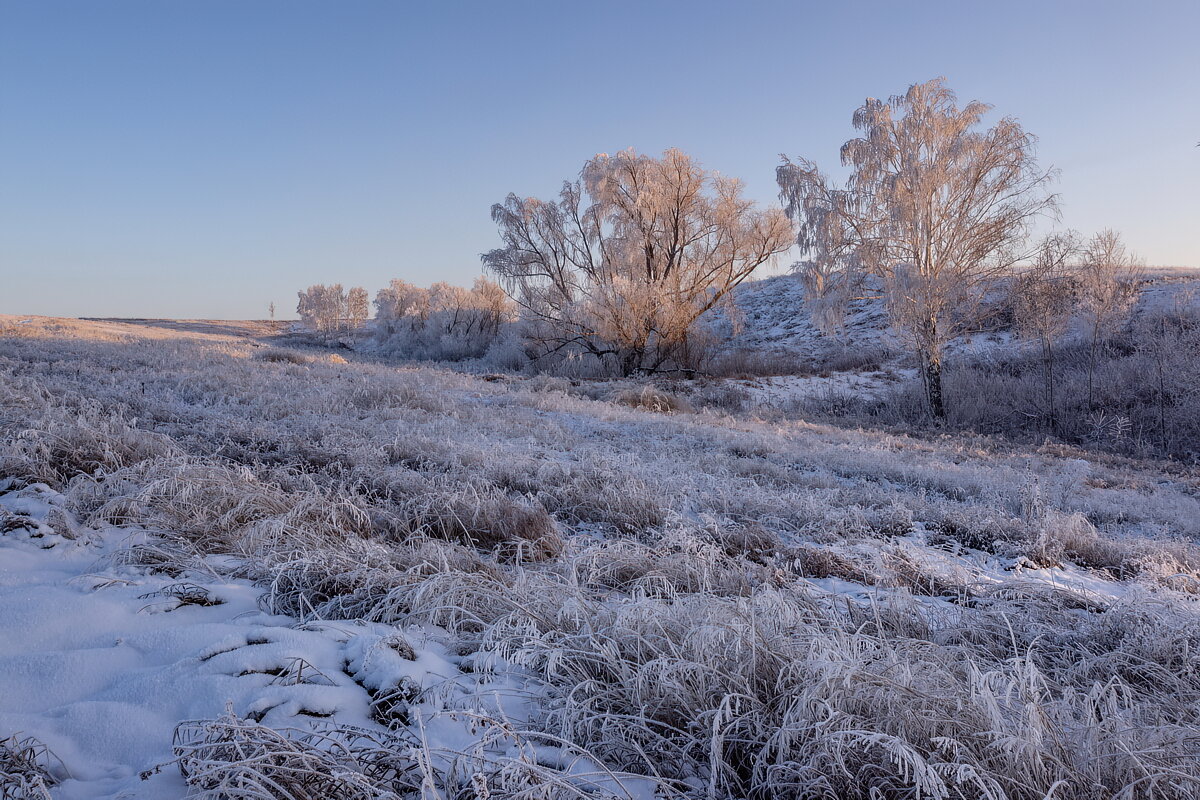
point(202, 158)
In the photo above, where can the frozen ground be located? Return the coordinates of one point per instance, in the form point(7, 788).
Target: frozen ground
point(437, 585)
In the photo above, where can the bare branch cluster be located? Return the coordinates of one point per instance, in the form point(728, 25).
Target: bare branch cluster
point(443, 321)
point(331, 309)
point(631, 255)
point(452, 309)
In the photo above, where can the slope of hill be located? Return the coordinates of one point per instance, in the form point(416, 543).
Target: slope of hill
point(772, 315)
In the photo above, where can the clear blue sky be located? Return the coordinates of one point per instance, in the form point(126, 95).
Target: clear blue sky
point(202, 158)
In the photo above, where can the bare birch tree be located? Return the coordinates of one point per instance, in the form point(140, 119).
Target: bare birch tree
point(322, 308)
point(401, 303)
point(492, 303)
point(358, 307)
point(631, 255)
point(1108, 286)
point(1043, 301)
point(330, 310)
point(935, 205)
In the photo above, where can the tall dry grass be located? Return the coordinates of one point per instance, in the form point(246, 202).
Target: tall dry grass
point(656, 574)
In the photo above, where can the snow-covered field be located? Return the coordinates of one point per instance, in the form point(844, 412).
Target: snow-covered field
point(101, 662)
point(231, 570)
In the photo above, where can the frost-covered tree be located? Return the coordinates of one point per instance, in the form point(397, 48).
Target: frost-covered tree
point(1168, 342)
point(399, 303)
point(1108, 286)
point(935, 205)
point(358, 306)
point(492, 303)
point(322, 307)
point(443, 321)
point(630, 256)
point(1043, 302)
point(452, 304)
point(330, 309)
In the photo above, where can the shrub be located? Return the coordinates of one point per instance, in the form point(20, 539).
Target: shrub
point(444, 322)
point(652, 398)
point(84, 440)
point(235, 759)
point(489, 520)
point(756, 363)
point(854, 359)
point(27, 769)
point(277, 356)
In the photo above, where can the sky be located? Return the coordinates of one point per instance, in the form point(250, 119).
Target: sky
point(204, 158)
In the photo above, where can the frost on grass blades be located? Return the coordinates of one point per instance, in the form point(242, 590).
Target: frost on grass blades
point(234, 574)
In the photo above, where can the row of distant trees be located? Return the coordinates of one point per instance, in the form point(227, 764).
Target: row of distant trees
point(481, 310)
point(633, 254)
point(331, 310)
point(443, 321)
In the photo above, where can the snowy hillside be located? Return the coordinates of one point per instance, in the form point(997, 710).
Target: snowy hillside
point(773, 317)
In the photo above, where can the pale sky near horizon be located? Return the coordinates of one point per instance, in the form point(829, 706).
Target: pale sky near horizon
point(202, 158)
